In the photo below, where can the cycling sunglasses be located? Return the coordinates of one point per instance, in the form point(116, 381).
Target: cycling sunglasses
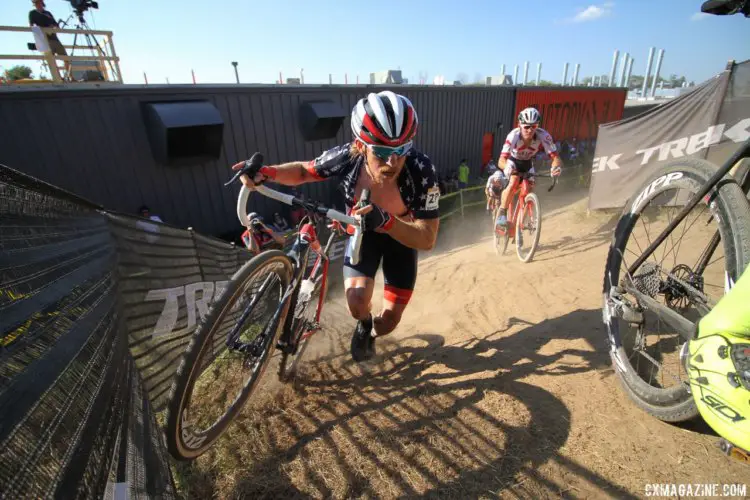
point(385, 152)
point(529, 127)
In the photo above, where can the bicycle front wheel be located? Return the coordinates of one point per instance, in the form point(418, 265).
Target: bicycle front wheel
point(227, 355)
point(686, 273)
point(529, 228)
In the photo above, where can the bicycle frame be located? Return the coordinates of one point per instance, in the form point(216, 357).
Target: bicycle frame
point(525, 187)
point(306, 241)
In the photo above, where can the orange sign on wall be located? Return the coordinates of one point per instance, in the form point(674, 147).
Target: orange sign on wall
point(488, 142)
point(573, 113)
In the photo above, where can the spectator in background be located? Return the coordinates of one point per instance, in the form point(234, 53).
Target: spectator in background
point(441, 184)
point(146, 214)
point(452, 181)
point(44, 19)
point(280, 222)
point(463, 175)
point(573, 150)
point(490, 168)
point(152, 229)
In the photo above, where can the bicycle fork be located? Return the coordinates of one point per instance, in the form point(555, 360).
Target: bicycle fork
point(255, 347)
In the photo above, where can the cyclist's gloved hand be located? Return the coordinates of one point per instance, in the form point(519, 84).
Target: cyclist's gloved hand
point(258, 179)
point(373, 217)
point(556, 171)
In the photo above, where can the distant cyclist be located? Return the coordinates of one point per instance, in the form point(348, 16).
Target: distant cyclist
point(493, 190)
point(401, 219)
point(259, 237)
point(521, 145)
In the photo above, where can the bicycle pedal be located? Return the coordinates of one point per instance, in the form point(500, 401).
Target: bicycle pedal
point(734, 452)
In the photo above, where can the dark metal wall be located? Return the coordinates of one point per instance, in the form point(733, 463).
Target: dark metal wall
point(93, 141)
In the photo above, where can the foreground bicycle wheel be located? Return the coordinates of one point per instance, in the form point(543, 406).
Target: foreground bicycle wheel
point(214, 380)
point(529, 228)
point(687, 273)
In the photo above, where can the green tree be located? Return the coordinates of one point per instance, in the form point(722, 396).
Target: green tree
point(18, 73)
point(635, 82)
point(675, 81)
point(546, 83)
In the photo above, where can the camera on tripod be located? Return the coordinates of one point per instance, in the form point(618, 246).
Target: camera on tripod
point(81, 6)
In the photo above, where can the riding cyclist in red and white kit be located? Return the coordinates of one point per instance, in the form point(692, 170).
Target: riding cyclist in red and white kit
point(521, 145)
point(402, 216)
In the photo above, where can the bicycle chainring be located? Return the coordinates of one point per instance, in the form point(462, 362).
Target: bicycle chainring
point(675, 292)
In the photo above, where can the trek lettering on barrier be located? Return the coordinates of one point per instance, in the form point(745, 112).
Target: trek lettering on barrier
point(683, 146)
point(195, 298)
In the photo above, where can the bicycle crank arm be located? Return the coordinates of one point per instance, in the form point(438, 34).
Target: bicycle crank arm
point(684, 327)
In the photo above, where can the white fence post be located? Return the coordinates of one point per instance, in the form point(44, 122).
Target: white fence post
point(461, 201)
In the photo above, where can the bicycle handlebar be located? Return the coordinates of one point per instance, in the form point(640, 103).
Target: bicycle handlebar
point(254, 165)
point(554, 180)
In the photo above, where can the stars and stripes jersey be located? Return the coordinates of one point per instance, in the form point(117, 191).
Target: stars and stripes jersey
point(417, 181)
point(515, 148)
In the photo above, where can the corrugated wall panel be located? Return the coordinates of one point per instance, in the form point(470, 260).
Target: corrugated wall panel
point(14, 122)
point(569, 113)
point(93, 142)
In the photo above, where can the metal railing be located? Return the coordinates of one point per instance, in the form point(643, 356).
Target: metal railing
point(577, 175)
point(103, 56)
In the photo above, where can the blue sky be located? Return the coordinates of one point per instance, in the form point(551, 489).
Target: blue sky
point(166, 38)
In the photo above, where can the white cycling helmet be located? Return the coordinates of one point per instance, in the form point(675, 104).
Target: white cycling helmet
point(529, 116)
point(384, 119)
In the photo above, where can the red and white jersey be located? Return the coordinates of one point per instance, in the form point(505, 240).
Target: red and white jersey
point(515, 148)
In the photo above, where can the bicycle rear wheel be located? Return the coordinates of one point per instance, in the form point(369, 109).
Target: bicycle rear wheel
point(647, 354)
point(528, 228)
point(227, 355)
point(496, 237)
point(302, 323)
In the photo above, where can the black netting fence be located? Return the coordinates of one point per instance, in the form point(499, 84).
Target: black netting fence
point(75, 421)
point(96, 310)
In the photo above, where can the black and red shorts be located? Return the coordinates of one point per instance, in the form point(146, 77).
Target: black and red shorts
point(399, 265)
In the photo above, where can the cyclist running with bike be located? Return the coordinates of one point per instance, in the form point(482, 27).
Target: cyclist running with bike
point(401, 218)
point(521, 145)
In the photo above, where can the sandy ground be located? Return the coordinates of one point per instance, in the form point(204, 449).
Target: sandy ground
point(496, 384)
